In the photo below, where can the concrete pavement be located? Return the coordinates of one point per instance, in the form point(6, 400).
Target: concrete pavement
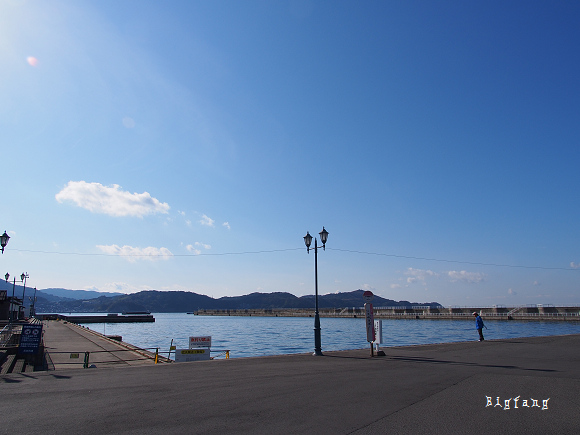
point(443, 388)
point(66, 344)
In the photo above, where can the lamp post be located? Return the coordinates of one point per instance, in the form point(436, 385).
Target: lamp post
point(23, 278)
point(308, 241)
point(4, 240)
point(33, 304)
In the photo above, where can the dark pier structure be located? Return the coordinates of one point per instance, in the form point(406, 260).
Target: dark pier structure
point(108, 318)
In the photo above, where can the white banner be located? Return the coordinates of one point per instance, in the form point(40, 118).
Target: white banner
point(378, 331)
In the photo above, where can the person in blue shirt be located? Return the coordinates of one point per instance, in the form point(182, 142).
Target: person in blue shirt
point(479, 325)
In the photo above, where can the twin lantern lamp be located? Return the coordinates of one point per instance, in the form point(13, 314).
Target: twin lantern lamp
point(4, 240)
point(308, 241)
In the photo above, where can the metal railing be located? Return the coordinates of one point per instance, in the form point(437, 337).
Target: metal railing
point(84, 358)
point(6, 335)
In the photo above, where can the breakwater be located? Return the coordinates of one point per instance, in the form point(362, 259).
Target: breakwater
point(109, 318)
point(528, 312)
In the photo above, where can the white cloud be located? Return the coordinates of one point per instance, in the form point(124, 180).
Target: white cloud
point(511, 292)
point(206, 220)
point(574, 265)
point(227, 225)
point(414, 275)
point(110, 200)
point(193, 249)
point(119, 287)
point(471, 277)
point(133, 254)
point(368, 287)
point(203, 245)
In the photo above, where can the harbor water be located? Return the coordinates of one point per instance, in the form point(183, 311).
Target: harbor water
point(261, 336)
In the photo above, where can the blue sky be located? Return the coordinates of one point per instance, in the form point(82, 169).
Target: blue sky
point(189, 145)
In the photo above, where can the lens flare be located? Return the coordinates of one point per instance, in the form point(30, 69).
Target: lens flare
point(128, 122)
point(32, 61)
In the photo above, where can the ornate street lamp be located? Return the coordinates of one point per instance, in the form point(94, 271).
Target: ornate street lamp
point(307, 242)
point(4, 240)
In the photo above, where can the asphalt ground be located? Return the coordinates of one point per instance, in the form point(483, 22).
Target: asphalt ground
point(442, 388)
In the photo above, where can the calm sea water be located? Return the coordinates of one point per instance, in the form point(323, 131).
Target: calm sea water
point(259, 336)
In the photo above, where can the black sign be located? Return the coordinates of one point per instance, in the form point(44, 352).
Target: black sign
point(30, 338)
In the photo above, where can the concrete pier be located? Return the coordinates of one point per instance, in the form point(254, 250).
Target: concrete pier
point(467, 387)
point(67, 344)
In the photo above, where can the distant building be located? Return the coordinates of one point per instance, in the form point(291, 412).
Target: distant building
point(8, 303)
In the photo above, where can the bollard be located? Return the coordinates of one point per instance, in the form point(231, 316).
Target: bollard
point(86, 364)
point(156, 355)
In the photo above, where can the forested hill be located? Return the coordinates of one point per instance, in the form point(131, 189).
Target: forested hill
point(181, 301)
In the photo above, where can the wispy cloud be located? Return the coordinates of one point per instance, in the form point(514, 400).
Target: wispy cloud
point(415, 275)
point(206, 220)
point(110, 200)
point(574, 265)
point(132, 254)
point(118, 287)
point(195, 247)
point(227, 225)
point(470, 277)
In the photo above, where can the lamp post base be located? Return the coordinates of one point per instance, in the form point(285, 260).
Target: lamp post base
point(317, 341)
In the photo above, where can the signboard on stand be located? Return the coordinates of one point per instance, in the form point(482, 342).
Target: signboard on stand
point(30, 339)
point(370, 322)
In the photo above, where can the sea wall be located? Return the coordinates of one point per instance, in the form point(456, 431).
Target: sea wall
point(571, 313)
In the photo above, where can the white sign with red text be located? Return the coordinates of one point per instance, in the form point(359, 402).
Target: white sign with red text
point(195, 342)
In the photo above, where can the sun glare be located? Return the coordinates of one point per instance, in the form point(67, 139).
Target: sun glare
point(32, 61)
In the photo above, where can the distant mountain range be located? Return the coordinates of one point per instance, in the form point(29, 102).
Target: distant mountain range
point(48, 301)
point(75, 294)
point(53, 293)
